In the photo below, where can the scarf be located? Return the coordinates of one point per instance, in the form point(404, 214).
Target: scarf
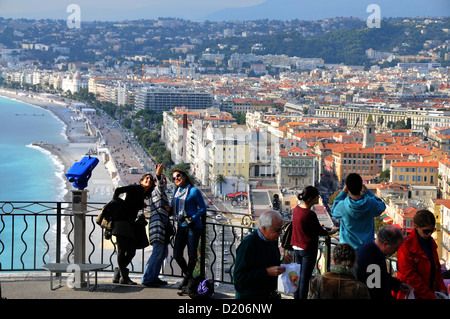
point(181, 195)
point(339, 269)
point(159, 217)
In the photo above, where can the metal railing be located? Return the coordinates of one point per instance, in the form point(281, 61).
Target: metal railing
point(35, 233)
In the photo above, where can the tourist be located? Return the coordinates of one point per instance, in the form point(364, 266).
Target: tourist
point(159, 229)
point(340, 282)
point(258, 260)
point(418, 260)
point(371, 266)
point(306, 230)
point(188, 206)
point(356, 208)
point(124, 224)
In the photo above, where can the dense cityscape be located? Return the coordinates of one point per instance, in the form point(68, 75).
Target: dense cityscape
point(262, 105)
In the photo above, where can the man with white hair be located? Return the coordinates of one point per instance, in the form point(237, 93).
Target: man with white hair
point(258, 260)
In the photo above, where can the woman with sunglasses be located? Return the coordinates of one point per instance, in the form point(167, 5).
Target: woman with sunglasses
point(188, 206)
point(418, 261)
point(306, 230)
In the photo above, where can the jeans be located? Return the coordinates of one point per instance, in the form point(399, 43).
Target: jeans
point(190, 237)
point(308, 260)
point(154, 263)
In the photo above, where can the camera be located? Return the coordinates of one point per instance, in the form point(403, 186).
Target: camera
point(184, 218)
point(81, 171)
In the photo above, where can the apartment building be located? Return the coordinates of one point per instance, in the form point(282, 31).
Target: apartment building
point(415, 173)
point(388, 190)
point(444, 177)
point(181, 130)
point(163, 99)
point(354, 114)
point(228, 154)
point(445, 226)
point(211, 141)
point(296, 168)
point(440, 137)
point(401, 214)
point(442, 233)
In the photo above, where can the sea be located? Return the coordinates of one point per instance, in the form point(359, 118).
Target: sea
point(27, 173)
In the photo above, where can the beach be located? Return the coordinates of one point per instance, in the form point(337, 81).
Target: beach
point(87, 134)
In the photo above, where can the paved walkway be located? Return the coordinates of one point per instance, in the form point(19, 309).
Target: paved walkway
point(37, 286)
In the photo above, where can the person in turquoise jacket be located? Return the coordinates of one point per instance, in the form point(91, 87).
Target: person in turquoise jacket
point(356, 208)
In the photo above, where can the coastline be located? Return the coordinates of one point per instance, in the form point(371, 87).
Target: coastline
point(100, 187)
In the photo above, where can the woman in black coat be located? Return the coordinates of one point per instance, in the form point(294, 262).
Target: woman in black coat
point(124, 225)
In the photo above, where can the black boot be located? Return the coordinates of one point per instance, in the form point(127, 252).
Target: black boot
point(184, 283)
point(124, 279)
point(116, 277)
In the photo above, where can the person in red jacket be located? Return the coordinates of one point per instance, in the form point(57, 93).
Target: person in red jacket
point(306, 230)
point(418, 261)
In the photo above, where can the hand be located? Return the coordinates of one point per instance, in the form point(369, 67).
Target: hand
point(167, 208)
point(345, 189)
point(275, 270)
point(287, 259)
point(159, 169)
point(333, 230)
point(405, 288)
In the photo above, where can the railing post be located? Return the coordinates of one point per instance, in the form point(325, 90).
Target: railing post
point(327, 253)
point(203, 248)
point(58, 232)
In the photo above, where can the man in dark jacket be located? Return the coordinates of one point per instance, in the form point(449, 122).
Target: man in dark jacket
point(371, 264)
point(258, 260)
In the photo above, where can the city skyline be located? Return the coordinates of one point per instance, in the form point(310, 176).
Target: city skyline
point(201, 10)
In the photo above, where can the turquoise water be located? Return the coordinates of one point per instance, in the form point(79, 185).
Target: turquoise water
point(27, 173)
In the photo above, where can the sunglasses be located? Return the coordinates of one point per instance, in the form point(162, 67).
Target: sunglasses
point(176, 176)
point(428, 231)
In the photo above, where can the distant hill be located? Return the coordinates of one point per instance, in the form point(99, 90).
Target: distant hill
point(346, 46)
point(320, 9)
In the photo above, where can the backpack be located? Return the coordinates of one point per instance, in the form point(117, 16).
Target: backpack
point(287, 234)
point(200, 288)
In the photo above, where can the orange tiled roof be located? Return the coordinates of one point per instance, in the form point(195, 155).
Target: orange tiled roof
point(416, 164)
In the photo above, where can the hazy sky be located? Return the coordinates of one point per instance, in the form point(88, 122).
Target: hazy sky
point(117, 9)
point(197, 10)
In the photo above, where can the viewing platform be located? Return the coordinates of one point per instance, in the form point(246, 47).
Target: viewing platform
point(36, 234)
point(37, 286)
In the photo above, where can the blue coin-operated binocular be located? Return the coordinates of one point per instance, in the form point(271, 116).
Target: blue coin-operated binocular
point(80, 172)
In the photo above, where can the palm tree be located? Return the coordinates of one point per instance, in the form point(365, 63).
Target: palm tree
point(220, 179)
point(380, 120)
point(426, 127)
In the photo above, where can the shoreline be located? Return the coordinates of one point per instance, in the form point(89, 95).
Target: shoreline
point(100, 186)
point(85, 134)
